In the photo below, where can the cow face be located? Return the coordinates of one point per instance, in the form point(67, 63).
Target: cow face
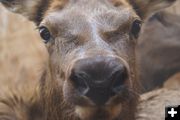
point(91, 44)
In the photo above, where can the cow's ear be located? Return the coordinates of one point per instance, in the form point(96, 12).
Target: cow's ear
point(31, 9)
point(145, 8)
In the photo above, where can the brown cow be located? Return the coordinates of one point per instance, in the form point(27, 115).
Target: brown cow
point(91, 74)
point(158, 50)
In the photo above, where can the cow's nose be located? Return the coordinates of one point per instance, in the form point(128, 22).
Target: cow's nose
point(99, 78)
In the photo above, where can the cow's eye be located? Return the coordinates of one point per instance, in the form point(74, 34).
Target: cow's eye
point(136, 28)
point(45, 34)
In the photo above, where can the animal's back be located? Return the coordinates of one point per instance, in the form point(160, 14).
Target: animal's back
point(21, 62)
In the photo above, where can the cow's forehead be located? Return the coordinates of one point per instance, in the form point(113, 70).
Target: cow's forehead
point(91, 6)
point(102, 12)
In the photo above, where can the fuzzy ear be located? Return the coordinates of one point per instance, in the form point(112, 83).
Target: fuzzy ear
point(145, 8)
point(32, 9)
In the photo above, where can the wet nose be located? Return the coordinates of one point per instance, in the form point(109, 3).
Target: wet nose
point(99, 78)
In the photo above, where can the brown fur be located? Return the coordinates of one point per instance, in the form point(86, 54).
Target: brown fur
point(173, 82)
point(69, 22)
point(20, 104)
point(21, 62)
point(157, 55)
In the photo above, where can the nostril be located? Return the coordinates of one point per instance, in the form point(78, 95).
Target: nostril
point(79, 82)
point(119, 78)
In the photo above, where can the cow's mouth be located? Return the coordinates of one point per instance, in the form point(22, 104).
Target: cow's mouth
point(112, 110)
point(98, 113)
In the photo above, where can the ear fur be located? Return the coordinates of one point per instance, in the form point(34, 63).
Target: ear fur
point(31, 9)
point(145, 8)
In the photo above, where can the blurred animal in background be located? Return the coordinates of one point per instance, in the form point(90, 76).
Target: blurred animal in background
point(91, 72)
point(22, 59)
point(158, 50)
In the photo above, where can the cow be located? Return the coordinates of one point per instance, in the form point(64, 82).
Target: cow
point(91, 71)
point(158, 50)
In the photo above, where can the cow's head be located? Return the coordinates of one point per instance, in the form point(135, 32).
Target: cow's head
point(91, 45)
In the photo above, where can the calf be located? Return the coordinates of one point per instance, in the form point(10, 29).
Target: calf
point(91, 73)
